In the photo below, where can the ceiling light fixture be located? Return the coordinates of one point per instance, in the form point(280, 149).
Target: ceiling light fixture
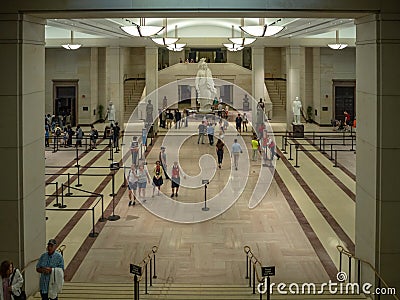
point(337, 45)
point(241, 41)
point(165, 41)
point(141, 30)
point(233, 47)
point(262, 29)
point(176, 47)
point(72, 45)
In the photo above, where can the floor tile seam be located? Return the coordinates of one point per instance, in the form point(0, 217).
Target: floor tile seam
point(319, 205)
point(330, 175)
point(74, 177)
point(312, 237)
point(340, 166)
point(88, 242)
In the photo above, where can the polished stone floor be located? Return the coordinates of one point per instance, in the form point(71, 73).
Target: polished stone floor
point(305, 213)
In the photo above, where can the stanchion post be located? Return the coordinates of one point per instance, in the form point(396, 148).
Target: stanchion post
point(331, 152)
point(254, 279)
point(297, 156)
point(250, 273)
point(56, 204)
point(284, 149)
point(151, 271)
point(205, 208)
point(79, 183)
point(320, 143)
point(290, 152)
point(352, 143)
point(113, 185)
point(135, 288)
point(113, 217)
point(323, 146)
point(77, 156)
point(69, 188)
point(93, 233)
point(145, 280)
point(268, 287)
point(62, 197)
point(313, 138)
point(247, 266)
point(335, 165)
point(102, 219)
point(154, 265)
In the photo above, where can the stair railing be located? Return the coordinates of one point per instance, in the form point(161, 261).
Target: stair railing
point(148, 261)
point(253, 268)
point(358, 262)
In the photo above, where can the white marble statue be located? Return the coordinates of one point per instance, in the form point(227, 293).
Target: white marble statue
point(111, 113)
point(205, 87)
point(296, 110)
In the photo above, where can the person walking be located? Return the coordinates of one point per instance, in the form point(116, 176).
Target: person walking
point(272, 149)
point(94, 135)
point(79, 136)
point(162, 157)
point(143, 179)
point(132, 184)
point(135, 150)
point(157, 177)
point(11, 281)
point(178, 117)
point(220, 152)
point(202, 129)
point(236, 150)
point(245, 122)
point(116, 131)
point(239, 121)
point(47, 264)
point(210, 133)
point(175, 179)
point(255, 147)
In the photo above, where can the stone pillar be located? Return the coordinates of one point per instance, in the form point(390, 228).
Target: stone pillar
point(293, 71)
point(378, 145)
point(257, 62)
point(115, 82)
point(152, 79)
point(193, 96)
point(94, 84)
point(22, 95)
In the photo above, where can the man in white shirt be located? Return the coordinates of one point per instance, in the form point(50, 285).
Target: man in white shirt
point(236, 150)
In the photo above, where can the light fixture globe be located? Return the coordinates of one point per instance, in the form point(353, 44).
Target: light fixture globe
point(243, 41)
point(176, 47)
point(71, 46)
point(138, 30)
point(337, 46)
point(262, 30)
point(164, 41)
point(233, 47)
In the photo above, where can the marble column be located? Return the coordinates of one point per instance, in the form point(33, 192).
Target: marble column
point(257, 62)
point(115, 82)
point(293, 71)
point(152, 79)
point(22, 95)
point(378, 145)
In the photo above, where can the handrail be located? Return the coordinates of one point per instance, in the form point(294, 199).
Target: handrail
point(146, 260)
point(350, 255)
point(149, 259)
point(60, 249)
point(250, 257)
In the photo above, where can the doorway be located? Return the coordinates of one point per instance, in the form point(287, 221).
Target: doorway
point(65, 95)
point(185, 95)
point(344, 95)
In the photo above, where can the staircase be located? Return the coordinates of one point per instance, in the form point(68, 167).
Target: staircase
point(133, 90)
point(277, 92)
point(174, 291)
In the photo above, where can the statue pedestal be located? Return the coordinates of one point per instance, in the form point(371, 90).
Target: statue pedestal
point(298, 130)
point(246, 106)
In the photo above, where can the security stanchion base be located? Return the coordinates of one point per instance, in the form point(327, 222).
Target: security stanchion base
point(68, 194)
point(113, 218)
point(78, 185)
point(93, 234)
point(205, 209)
point(102, 219)
point(57, 205)
point(297, 166)
point(62, 206)
point(77, 165)
point(112, 195)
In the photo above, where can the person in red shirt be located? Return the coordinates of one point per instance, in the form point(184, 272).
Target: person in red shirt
point(175, 179)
